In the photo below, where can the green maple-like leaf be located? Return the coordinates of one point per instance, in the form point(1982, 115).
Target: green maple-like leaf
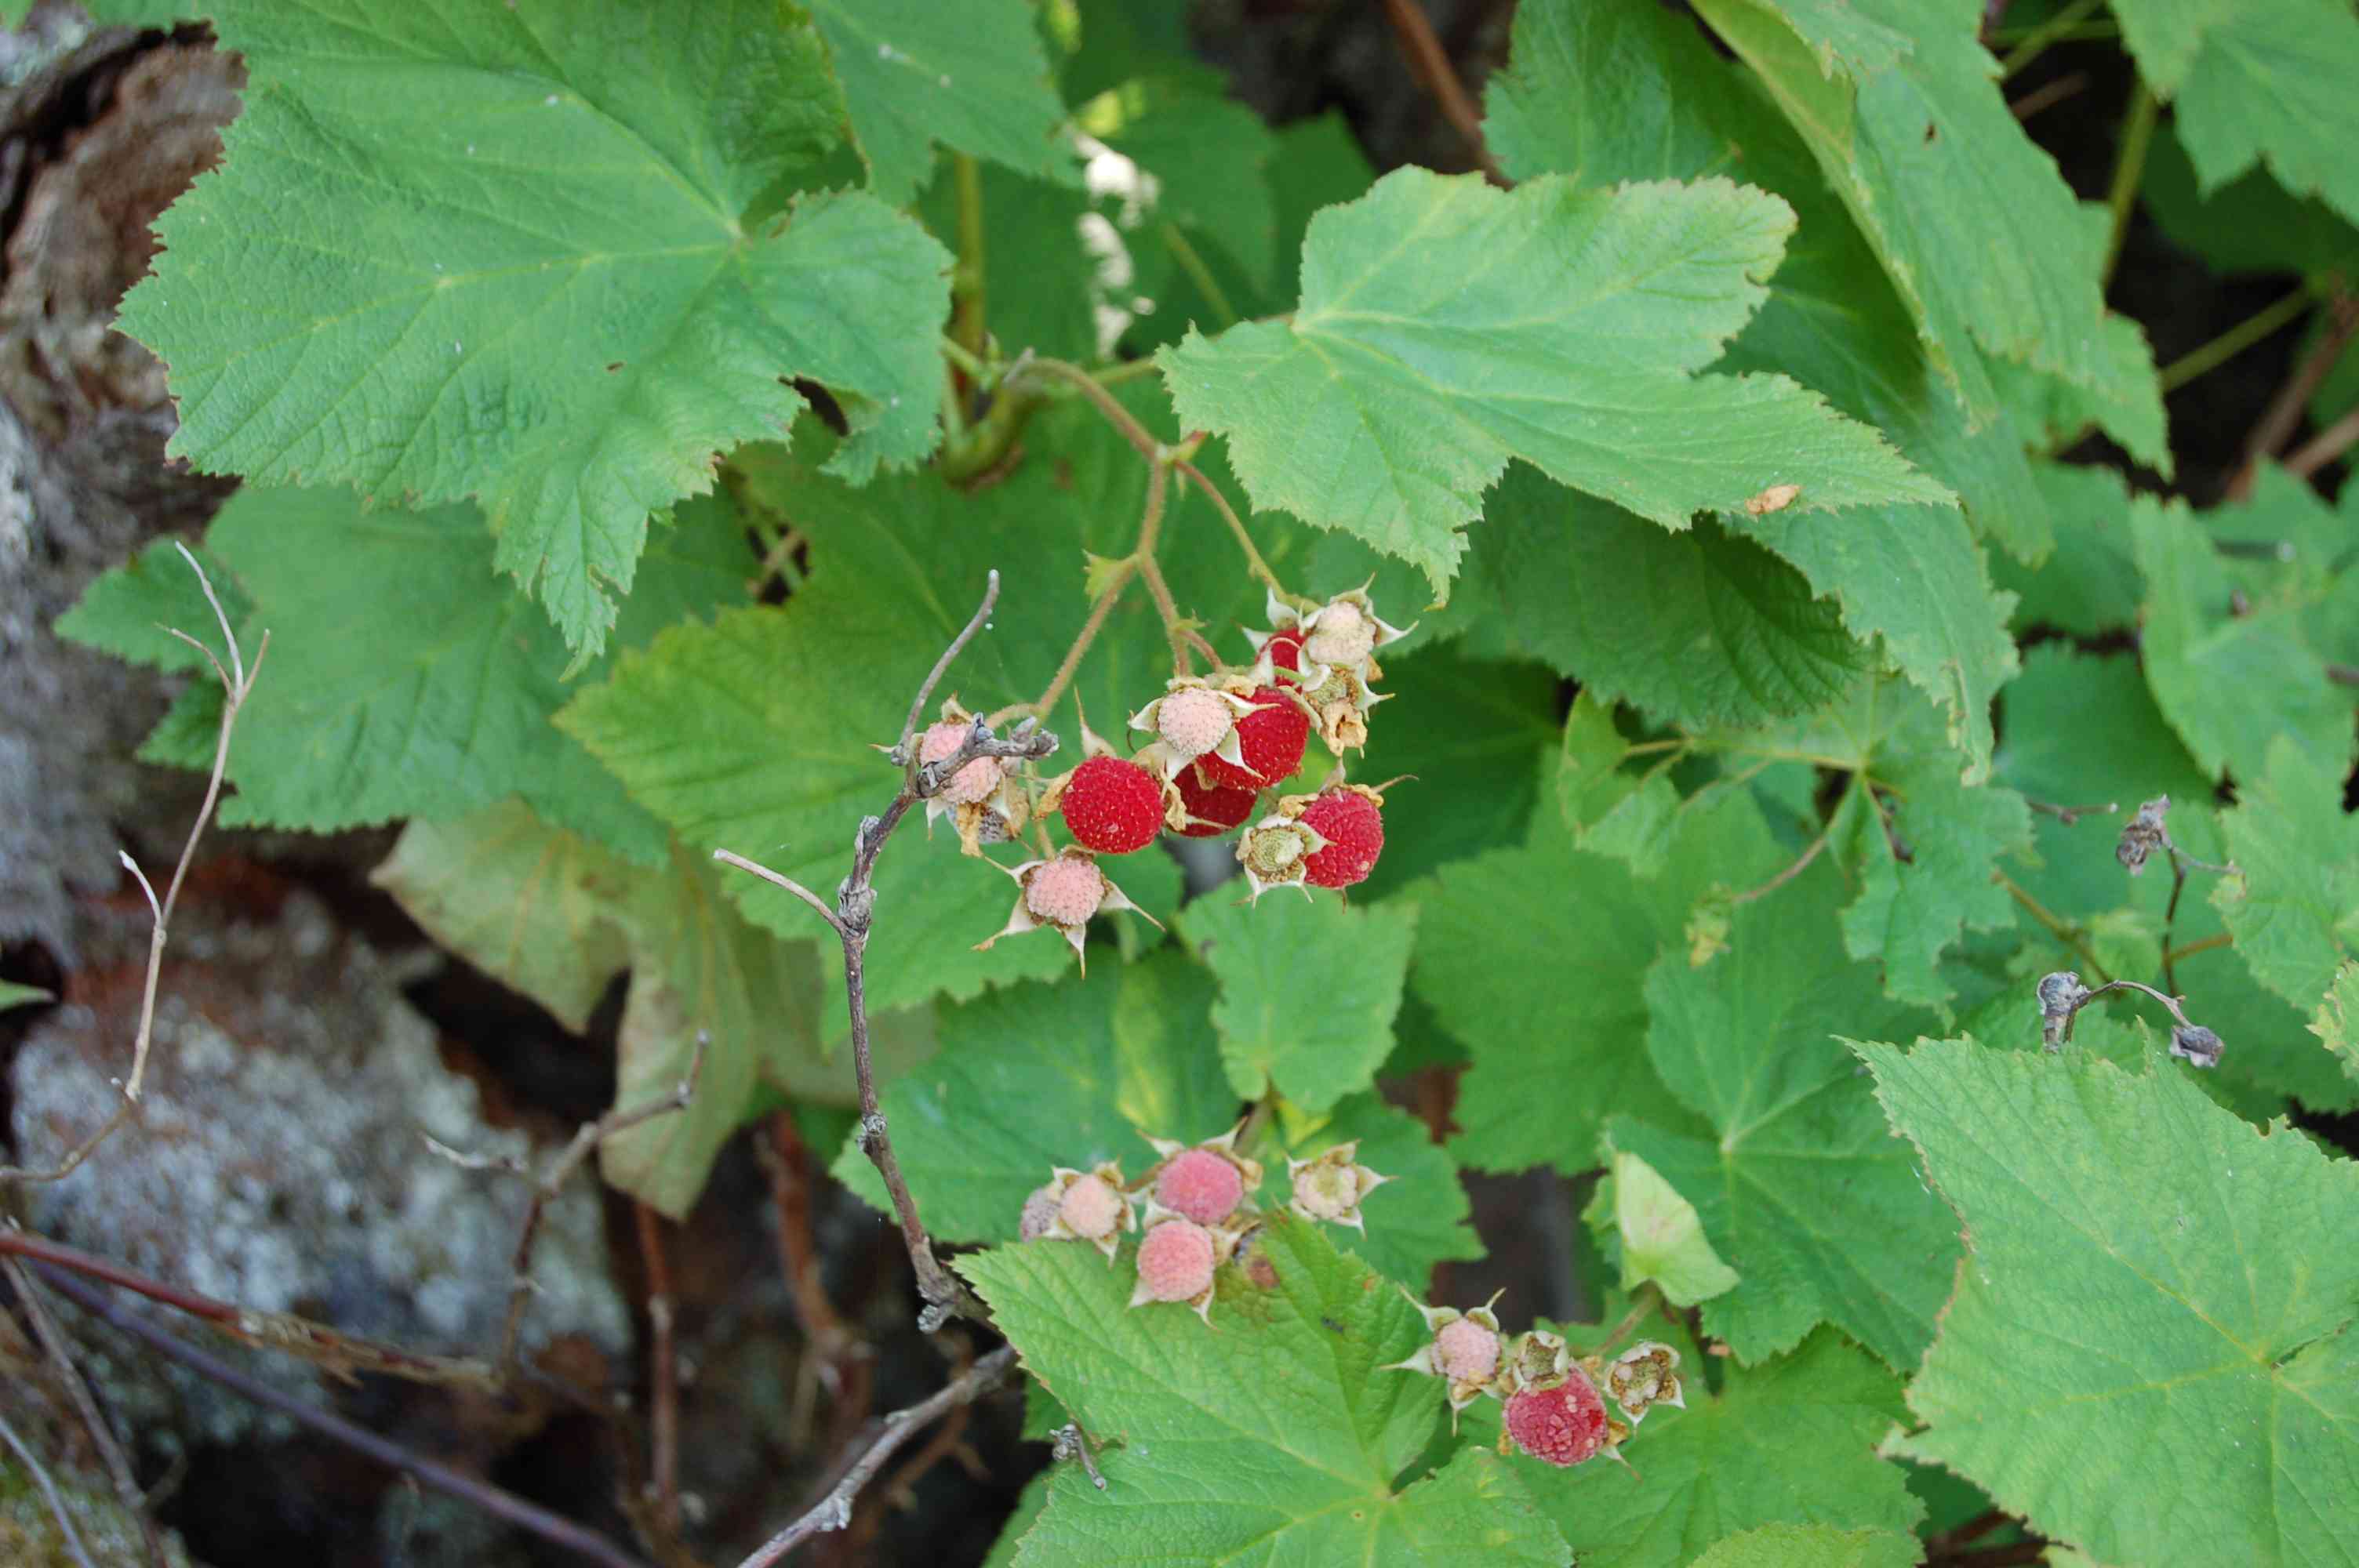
point(1798, 1161)
point(2257, 83)
point(1315, 1043)
point(1701, 627)
point(1446, 327)
point(2127, 404)
point(2090, 586)
point(1270, 1434)
point(972, 77)
point(2230, 684)
point(2250, 224)
point(1907, 916)
point(1975, 225)
point(1418, 1218)
point(1790, 1442)
point(1812, 1546)
point(1038, 1075)
point(2293, 905)
point(557, 919)
point(1661, 1235)
point(497, 250)
point(2149, 1274)
point(1604, 93)
point(1553, 1061)
point(2337, 1021)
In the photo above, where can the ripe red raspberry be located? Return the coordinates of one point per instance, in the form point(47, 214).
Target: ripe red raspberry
point(1562, 1425)
point(1111, 805)
point(1354, 826)
point(1285, 649)
point(1215, 807)
point(1199, 1185)
point(1270, 740)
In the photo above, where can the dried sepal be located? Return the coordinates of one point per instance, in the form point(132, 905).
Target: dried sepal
point(1330, 1186)
point(1645, 1375)
point(2194, 1043)
point(2061, 996)
point(2145, 833)
point(1062, 894)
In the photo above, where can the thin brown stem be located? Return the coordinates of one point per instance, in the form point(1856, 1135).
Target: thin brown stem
point(2052, 31)
point(2069, 815)
point(1254, 562)
point(315, 1342)
point(2323, 447)
point(2092, 994)
point(101, 1435)
point(529, 1516)
point(2048, 95)
point(841, 1359)
point(833, 1510)
point(1430, 64)
point(1088, 386)
point(1159, 484)
point(1818, 847)
point(663, 1421)
point(2202, 944)
point(2276, 426)
point(731, 857)
point(2062, 930)
point(32, 1464)
point(1651, 1300)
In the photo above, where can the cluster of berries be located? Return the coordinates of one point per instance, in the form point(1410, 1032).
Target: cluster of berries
point(1217, 745)
point(1199, 1209)
point(1555, 1410)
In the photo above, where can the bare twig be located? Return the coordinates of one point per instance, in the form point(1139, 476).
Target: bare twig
point(237, 684)
point(834, 1511)
point(2048, 95)
point(110, 1447)
point(855, 904)
point(663, 1421)
point(1430, 63)
point(481, 1494)
point(339, 1353)
point(2069, 815)
point(552, 1181)
point(66, 1530)
point(731, 858)
point(2277, 424)
point(2202, 944)
point(1072, 1444)
point(2323, 447)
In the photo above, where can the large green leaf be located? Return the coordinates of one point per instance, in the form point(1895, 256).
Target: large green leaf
point(1269, 1435)
point(2231, 684)
point(1040, 1075)
point(970, 76)
point(1790, 1442)
point(1975, 225)
point(1308, 988)
point(2293, 905)
point(1799, 1163)
point(2147, 1275)
point(1553, 1060)
point(1446, 327)
point(1812, 1546)
point(495, 250)
point(1908, 914)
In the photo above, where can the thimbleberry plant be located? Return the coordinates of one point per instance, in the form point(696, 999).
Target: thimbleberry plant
point(1739, 522)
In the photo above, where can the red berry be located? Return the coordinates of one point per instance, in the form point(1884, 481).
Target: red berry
point(1563, 1425)
point(1285, 650)
point(1217, 807)
point(1270, 740)
point(1112, 806)
point(1200, 1185)
point(1353, 827)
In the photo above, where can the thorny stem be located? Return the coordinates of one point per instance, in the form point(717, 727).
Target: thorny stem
point(1430, 63)
point(2063, 932)
point(110, 1447)
point(2052, 31)
point(237, 684)
point(2263, 324)
point(664, 1421)
point(2138, 133)
point(1254, 562)
point(855, 901)
point(526, 1516)
point(834, 1511)
point(340, 1353)
point(31, 1461)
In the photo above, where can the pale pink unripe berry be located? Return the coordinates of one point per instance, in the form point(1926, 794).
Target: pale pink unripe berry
point(1465, 1352)
point(1175, 1261)
point(1064, 892)
point(1343, 635)
point(1199, 1185)
point(971, 783)
point(1194, 721)
point(1090, 1208)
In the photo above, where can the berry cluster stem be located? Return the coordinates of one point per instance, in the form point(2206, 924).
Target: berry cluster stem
point(855, 900)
